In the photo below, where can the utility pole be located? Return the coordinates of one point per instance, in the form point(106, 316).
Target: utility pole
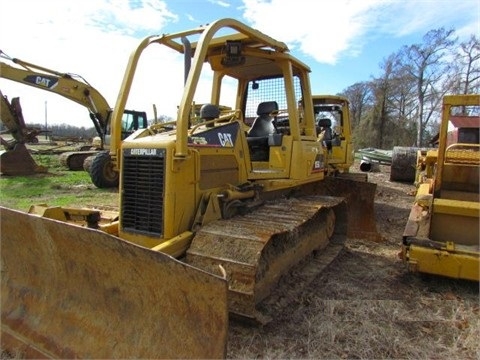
point(46, 124)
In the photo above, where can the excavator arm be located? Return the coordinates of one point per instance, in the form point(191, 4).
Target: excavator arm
point(71, 86)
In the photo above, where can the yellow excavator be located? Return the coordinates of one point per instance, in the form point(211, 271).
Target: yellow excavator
point(441, 236)
point(211, 214)
point(77, 89)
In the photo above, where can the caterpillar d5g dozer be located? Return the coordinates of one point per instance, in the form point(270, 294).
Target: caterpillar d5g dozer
point(16, 159)
point(442, 232)
point(227, 204)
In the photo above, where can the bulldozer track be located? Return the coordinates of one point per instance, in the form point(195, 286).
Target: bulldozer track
point(255, 250)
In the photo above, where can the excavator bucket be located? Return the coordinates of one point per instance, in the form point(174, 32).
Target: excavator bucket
point(18, 161)
point(73, 292)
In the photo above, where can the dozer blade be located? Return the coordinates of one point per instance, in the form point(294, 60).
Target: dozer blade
point(360, 198)
point(18, 161)
point(73, 292)
point(359, 195)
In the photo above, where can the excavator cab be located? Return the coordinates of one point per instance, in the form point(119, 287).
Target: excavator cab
point(131, 121)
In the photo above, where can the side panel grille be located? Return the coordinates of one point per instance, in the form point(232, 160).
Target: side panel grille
point(143, 178)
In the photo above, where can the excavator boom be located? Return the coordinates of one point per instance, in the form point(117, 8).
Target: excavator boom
point(70, 86)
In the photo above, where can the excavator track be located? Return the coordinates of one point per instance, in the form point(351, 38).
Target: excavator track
point(253, 251)
point(73, 160)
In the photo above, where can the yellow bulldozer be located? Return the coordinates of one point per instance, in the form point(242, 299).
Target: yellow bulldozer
point(441, 236)
point(211, 213)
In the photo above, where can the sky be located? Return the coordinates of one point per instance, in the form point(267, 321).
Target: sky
point(343, 42)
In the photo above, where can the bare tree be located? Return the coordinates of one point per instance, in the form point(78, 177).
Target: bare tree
point(358, 95)
point(381, 88)
point(393, 94)
point(402, 102)
point(427, 64)
point(467, 67)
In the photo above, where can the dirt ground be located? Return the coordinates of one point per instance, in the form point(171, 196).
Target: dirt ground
point(366, 306)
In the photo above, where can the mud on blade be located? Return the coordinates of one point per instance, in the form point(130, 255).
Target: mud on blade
point(69, 291)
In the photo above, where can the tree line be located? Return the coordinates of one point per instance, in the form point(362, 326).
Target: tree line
point(402, 105)
point(59, 131)
point(55, 131)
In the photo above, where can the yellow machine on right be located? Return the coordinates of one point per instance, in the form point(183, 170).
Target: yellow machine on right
point(441, 236)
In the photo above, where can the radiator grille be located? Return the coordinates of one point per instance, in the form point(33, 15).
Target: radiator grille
point(143, 178)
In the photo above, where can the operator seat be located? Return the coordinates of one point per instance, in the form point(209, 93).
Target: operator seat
point(209, 112)
point(324, 130)
point(262, 127)
point(263, 124)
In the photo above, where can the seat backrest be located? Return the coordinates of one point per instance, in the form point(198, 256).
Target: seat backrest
point(209, 112)
point(263, 124)
point(325, 125)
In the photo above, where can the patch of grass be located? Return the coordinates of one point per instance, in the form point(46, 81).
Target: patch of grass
point(57, 187)
point(52, 162)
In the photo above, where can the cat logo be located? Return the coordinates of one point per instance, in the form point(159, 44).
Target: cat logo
point(43, 81)
point(225, 139)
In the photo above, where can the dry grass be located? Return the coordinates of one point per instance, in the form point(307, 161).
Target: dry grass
point(366, 306)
